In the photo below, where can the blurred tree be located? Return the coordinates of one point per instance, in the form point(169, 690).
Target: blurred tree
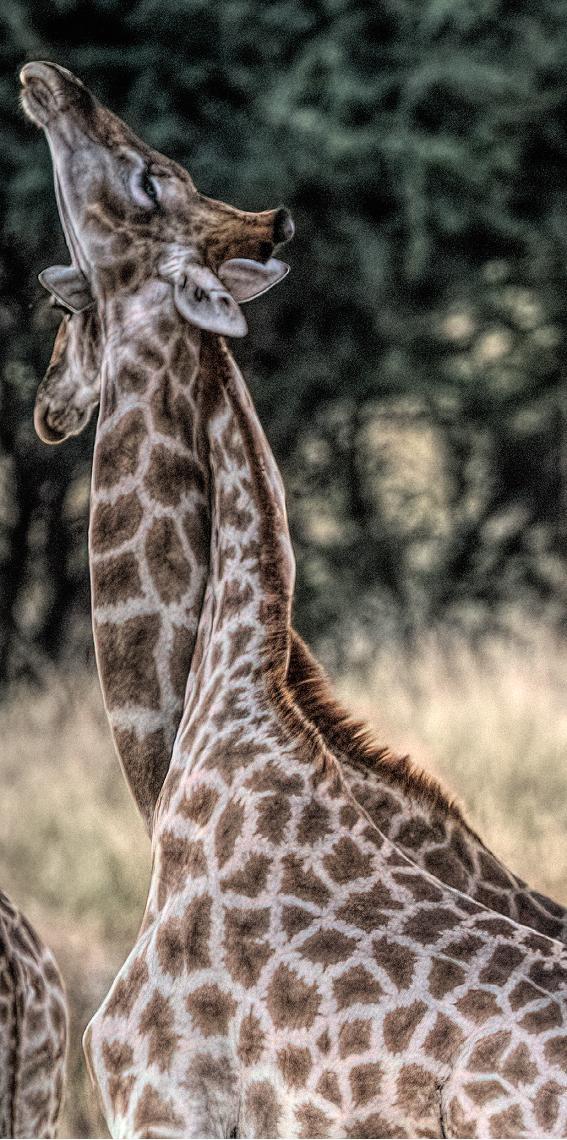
point(410, 373)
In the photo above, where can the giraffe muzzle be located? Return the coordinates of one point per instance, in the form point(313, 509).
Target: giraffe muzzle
point(49, 90)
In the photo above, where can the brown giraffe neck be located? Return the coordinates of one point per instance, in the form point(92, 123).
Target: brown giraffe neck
point(148, 533)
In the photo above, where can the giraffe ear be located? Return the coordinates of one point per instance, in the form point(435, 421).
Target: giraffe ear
point(68, 286)
point(203, 300)
point(247, 279)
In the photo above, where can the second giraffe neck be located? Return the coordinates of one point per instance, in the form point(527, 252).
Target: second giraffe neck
point(148, 536)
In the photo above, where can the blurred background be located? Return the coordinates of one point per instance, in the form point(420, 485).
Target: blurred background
point(410, 375)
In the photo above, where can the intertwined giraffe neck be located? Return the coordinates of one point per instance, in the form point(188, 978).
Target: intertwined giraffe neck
point(297, 974)
point(149, 512)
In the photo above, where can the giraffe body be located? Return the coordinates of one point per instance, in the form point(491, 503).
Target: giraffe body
point(296, 975)
point(33, 1029)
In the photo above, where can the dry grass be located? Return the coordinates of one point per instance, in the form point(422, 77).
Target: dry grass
point(74, 855)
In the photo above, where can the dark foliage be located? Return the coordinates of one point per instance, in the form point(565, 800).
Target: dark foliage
point(423, 151)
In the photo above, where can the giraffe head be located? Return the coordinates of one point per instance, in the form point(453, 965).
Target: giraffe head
point(136, 227)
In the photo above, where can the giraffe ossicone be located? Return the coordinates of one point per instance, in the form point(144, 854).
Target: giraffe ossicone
point(296, 974)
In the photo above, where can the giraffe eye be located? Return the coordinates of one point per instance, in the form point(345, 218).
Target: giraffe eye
point(145, 189)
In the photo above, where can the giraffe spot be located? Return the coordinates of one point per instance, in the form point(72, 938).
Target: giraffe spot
point(556, 1051)
point(348, 816)
point(356, 986)
point(492, 871)
point(354, 1037)
point(127, 989)
point(229, 755)
point(444, 976)
point(486, 1055)
point(312, 1121)
point(547, 1017)
point(445, 865)
point(234, 597)
point(365, 908)
point(295, 1065)
point(239, 518)
point(251, 1040)
point(524, 993)
point(238, 642)
point(272, 817)
point(196, 524)
point(400, 1025)
point(272, 778)
point(211, 1009)
point(157, 1024)
point(196, 927)
point(463, 849)
point(420, 887)
point(200, 805)
point(179, 860)
point(519, 1068)
point(216, 1079)
point(170, 948)
point(478, 1005)
point(328, 1087)
point(414, 833)
point(262, 1110)
point(480, 1092)
point(250, 879)
point(117, 454)
point(396, 960)
point(168, 566)
point(299, 880)
point(295, 919)
point(116, 580)
point(327, 947)
point(496, 927)
point(427, 923)
point(114, 523)
point(162, 404)
point(510, 1122)
point(365, 1082)
point(546, 1105)
point(245, 945)
point(493, 899)
point(228, 830)
point(444, 1040)
point(464, 948)
point(501, 965)
point(169, 473)
point(375, 1125)
point(155, 1113)
point(347, 862)
point(130, 379)
point(127, 662)
point(551, 976)
point(180, 658)
point(417, 1091)
point(292, 1003)
point(117, 1055)
point(150, 354)
point(530, 915)
point(324, 1042)
point(314, 822)
point(457, 1123)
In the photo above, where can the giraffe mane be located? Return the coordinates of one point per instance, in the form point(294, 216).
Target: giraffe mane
point(354, 739)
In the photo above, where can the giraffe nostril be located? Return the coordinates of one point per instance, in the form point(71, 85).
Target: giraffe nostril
point(284, 228)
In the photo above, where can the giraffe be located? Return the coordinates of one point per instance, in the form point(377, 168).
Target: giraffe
point(145, 566)
point(296, 974)
point(33, 1029)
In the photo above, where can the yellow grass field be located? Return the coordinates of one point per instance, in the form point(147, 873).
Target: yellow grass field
point(75, 857)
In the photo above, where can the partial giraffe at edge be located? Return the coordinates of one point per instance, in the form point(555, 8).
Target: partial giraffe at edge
point(33, 1029)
